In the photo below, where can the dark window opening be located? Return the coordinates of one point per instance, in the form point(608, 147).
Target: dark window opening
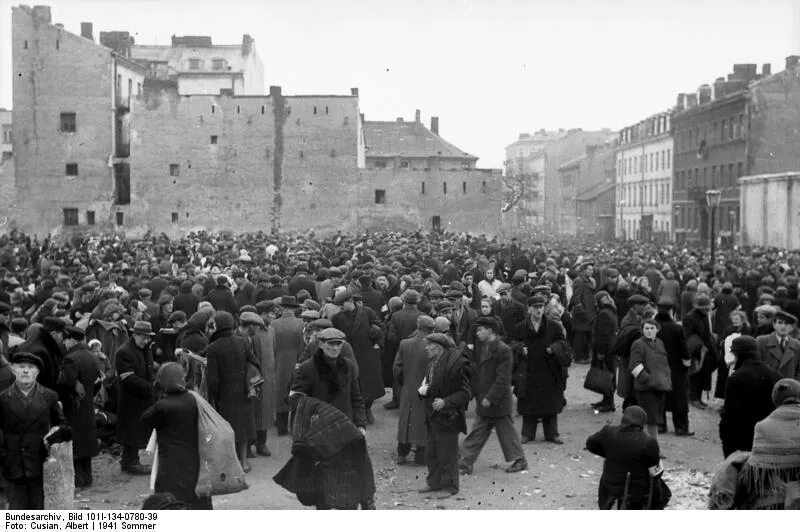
point(483, 187)
point(380, 164)
point(213, 139)
point(58, 44)
point(71, 169)
point(174, 217)
point(326, 109)
point(403, 164)
point(89, 217)
point(315, 109)
point(302, 156)
point(212, 109)
point(120, 218)
point(174, 170)
point(238, 109)
point(423, 187)
point(25, 45)
point(68, 122)
point(380, 196)
point(187, 215)
point(464, 187)
point(122, 184)
point(346, 121)
point(444, 187)
point(263, 109)
point(465, 166)
point(70, 216)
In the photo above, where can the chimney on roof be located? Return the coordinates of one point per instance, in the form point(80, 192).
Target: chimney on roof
point(86, 31)
point(42, 13)
point(703, 94)
point(354, 91)
point(435, 124)
point(416, 116)
point(766, 70)
point(119, 41)
point(59, 25)
point(274, 91)
point(792, 61)
point(247, 44)
point(362, 117)
point(720, 88)
point(400, 119)
point(691, 101)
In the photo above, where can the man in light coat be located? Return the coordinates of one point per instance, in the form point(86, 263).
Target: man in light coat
point(288, 346)
point(779, 350)
point(410, 367)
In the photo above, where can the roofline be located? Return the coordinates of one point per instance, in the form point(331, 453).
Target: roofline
point(394, 156)
point(128, 63)
point(320, 96)
point(699, 108)
point(233, 73)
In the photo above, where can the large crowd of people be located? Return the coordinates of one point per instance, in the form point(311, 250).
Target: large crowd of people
point(101, 337)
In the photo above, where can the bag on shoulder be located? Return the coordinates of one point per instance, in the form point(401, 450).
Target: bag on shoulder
point(220, 470)
point(660, 494)
point(599, 380)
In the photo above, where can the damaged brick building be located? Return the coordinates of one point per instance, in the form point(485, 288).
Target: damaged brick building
point(120, 136)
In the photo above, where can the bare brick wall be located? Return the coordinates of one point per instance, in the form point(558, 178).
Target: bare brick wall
point(774, 134)
point(55, 72)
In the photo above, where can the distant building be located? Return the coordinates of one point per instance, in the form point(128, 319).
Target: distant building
point(586, 198)
point(770, 217)
point(644, 180)
point(131, 153)
point(412, 146)
point(6, 135)
point(200, 67)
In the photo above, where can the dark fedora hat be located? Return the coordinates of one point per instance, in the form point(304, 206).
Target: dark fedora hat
point(23, 357)
point(143, 327)
point(289, 302)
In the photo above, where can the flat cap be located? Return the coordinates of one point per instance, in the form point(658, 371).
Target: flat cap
point(342, 296)
point(702, 301)
point(165, 298)
point(223, 320)
point(767, 310)
point(638, 299)
point(53, 324)
point(536, 300)
point(321, 323)
point(454, 294)
point(488, 322)
point(443, 305)
point(24, 357)
point(411, 297)
point(251, 318)
point(178, 315)
point(75, 333)
point(785, 316)
point(265, 306)
point(331, 334)
point(310, 315)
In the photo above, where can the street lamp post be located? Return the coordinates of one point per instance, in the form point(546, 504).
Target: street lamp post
point(675, 223)
point(712, 198)
point(621, 230)
point(732, 218)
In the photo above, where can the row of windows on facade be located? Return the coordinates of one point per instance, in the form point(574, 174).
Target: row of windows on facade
point(688, 217)
point(407, 164)
point(288, 110)
point(708, 177)
point(654, 194)
point(648, 128)
point(380, 194)
point(196, 63)
point(716, 132)
point(632, 227)
point(71, 217)
point(661, 160)
point(7, 138)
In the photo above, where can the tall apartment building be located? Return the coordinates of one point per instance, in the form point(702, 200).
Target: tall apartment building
point(6, 135)
point(644, 180)
point(586, 204)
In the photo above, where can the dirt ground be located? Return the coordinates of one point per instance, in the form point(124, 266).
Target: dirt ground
point(559, 477)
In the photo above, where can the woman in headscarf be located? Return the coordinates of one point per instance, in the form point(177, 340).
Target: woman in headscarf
point(174, 417)
point(739, 326)
point(650, 368)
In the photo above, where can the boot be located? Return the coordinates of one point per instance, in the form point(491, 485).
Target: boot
point(261, 443)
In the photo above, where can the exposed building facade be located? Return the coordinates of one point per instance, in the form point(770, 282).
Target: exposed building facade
point(770, 210)
point(6, 135)
point(525, 165)
point(584, 206)
point(644, 180)
point(104, 143)
point(6, 165)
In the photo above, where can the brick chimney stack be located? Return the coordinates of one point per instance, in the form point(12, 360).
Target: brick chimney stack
point(435, 124)
point(42, 13)
point(354, 91)
point(416, 116)
point(766, 70)
point(247, 44)
point(792, 61)
point(86, 31)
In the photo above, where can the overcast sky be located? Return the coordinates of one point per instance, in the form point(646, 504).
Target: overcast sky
point(489, 69)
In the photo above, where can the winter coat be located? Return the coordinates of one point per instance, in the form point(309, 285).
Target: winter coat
point(697, 328)
point(363, 331)
point(302, 282)
point(24, 422)
point(462, 326)
point(373, 299)
point(264, 352)
point(221, 298)
point(192, 339)
point(410, 367)
point(448, 379)
point(748, 400)
point(630, 330)
point(510, 314)
point(187, 302)
point(174, 417)
point(670, 289)
point(335, 384)
point(227, 357)
point(494, 369)
point(583, 305)
point(604, 329)
point(80, 366)
point(724, 304)
point(671, 334)
point(288, 346)
point(687, 302)
point(112, 335)
point(135, 393)
point(402, 324)
point(652, 355)
point(539, 377)
point(626, 449)
point(786, 362)
point(51, 351)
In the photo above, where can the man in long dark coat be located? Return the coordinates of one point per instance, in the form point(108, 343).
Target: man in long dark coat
point(401, 325)
point(362, 330)
point(410, 367)
point(227, 356)
point(630, 330)
point(288, 346)
point(301, 281)
point(79, 372)
point(46, 343)
point(604, 334)
point(221, 297)
point(748, 396)
point(134, 365)
point(583, 308)
point(697, 328)
point(539, 377)
point(677, 401)
point(446, 393)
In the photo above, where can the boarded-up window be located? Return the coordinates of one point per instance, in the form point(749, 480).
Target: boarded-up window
point(380, 196)
point(122, 184)
point(89, 217)
point(71, 169)
point(70, 216)
point(120, 218)
point(174, 170)
point(68, 122)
